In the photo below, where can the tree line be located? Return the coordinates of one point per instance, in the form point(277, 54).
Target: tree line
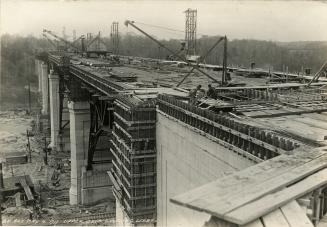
point(17, 56)
point(240, 52)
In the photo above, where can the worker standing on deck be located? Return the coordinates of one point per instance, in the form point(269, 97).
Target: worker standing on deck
point(211, 93)
point(192, 95)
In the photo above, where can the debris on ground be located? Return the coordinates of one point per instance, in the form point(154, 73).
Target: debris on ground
point(51, 182)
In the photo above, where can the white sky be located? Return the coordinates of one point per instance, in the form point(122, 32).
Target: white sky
point(268, 20)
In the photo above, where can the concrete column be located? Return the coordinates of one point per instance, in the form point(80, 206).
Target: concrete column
point(36, 70)
point(79, 114)
point(65, 111)
point(64, 142)
point(54, 109)
point(45, 88)
point(1, 187)
point(38, 73)
point(1, 177)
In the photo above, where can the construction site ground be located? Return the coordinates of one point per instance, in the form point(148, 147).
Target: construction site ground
point(54, 208)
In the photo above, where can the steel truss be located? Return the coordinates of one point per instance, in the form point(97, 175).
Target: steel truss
point(99, 111)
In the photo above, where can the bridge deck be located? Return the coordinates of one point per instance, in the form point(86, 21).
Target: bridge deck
point(135, 73)
point(148, 72)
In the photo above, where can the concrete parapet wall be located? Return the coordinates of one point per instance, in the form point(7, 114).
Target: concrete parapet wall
point(186, 159)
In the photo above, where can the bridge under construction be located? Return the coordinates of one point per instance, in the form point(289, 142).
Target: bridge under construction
point(252, 155)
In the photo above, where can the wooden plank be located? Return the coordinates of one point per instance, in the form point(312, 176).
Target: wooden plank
point(224, 185)
point(228, 192)
point(271, 202)
point(27, 189)
point(250, 193)
point(215, 222)
point(249, 176)
point(295, 215)
point(256, 223)
point(18, 200)
point(275, 219)
point(113, 180)
point(106, 98)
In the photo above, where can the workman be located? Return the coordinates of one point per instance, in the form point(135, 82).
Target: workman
point(192, 95)
point(211, 93)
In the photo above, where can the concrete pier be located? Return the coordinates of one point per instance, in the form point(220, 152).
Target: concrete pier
point(79, 113)
point(54, 109)
point(45, 88)
point(64, 141)
point(38, 73)
point(95, 185)
point(1, 177)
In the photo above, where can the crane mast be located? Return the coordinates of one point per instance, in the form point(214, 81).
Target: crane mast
point(182, 58)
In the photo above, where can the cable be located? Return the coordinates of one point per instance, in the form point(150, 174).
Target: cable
point(156, 26)
point(166, 28)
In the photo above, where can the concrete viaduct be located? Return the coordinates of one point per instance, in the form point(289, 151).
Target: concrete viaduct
point(143, 146)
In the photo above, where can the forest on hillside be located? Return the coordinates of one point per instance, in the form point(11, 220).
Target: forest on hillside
point(17, 57)
point(240, 53)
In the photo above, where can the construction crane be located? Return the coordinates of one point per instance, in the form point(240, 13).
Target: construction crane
point(182, 58)
point(323, 69)
point(61, 39)
point(55, 45)
point(82, 45)
point(97, 38)
point(79, 38)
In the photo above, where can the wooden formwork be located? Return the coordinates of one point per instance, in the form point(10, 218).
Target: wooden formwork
point(134, 162)
point(254, 143)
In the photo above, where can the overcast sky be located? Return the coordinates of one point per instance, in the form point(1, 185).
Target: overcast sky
point(266, 20)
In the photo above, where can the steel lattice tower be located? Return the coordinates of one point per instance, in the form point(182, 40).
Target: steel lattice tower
point(114, 37)
point(190, 31)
